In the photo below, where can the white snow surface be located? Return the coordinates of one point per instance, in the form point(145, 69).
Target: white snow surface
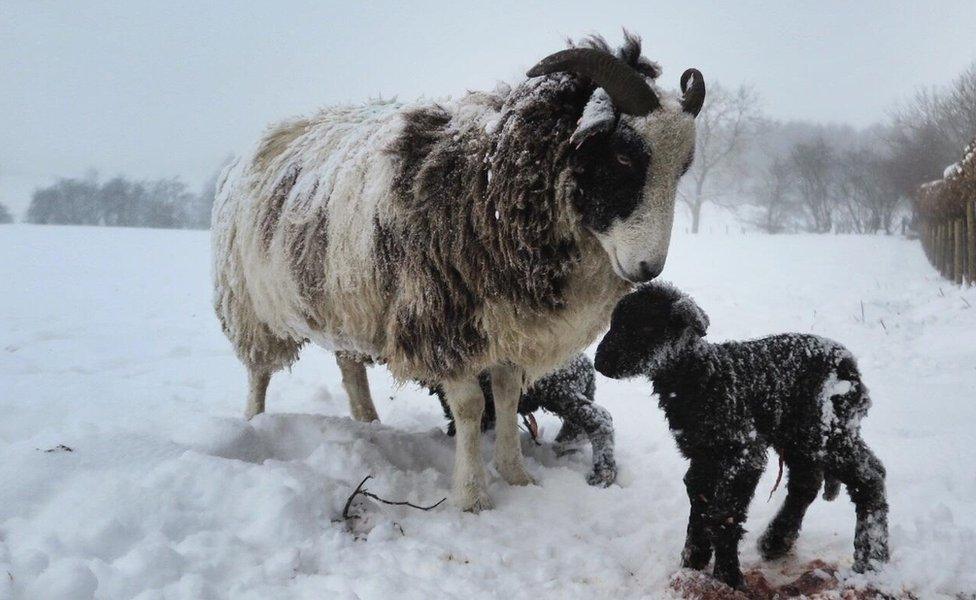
point(108, 346)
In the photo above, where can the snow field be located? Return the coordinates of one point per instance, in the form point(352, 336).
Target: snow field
point(108, 346)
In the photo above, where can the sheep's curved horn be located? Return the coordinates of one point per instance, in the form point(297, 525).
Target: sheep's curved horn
point(693, 97)
point(626, 87)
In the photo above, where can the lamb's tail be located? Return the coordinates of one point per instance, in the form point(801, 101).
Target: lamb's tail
point(831, 487)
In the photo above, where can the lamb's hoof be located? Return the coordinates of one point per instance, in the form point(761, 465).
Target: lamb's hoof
point(696, 558)
point(602, 477)
point(515, 474)
point(772, 546)
point(731, 578)
point(863, 565)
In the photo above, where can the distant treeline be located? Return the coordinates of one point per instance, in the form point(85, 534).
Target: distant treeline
point(5, 216)
point(800, 176)
point(121, 202)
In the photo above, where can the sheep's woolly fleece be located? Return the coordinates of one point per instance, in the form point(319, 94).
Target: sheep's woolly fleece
point(108, 346)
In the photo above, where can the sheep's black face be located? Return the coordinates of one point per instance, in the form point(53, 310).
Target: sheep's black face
point(626, 172)
point(610, 171)
point(647, 326)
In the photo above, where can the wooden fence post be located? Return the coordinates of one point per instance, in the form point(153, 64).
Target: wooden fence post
point(944, 268)
point(947, 249)
point(971, 231)
point(958, 251)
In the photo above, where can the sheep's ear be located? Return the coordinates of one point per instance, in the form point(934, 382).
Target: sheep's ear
point(600, 116)
point(693, 315)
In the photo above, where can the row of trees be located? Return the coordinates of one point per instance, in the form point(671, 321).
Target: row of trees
point(5, 216)
point(162, 203)
point(782, 177)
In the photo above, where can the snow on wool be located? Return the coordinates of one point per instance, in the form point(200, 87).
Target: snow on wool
point(376, 231)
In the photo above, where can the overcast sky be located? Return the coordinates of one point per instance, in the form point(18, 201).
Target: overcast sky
point(154, 89)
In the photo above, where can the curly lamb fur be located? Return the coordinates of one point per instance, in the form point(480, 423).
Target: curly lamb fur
point(567, 393)
point(446, 240)
point(726, 404)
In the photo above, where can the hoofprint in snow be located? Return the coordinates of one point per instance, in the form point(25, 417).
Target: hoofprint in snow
point(109, 348)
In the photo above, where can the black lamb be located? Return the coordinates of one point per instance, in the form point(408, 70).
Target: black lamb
point(568, 394)
point(726, 404)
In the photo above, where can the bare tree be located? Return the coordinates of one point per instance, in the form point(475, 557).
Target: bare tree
point(774, 203)
point(724, 127)
point(868, 194)
point(928, 131)
point(815, 166)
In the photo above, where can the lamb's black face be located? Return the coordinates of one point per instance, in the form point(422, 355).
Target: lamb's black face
point(610, 171)
point(645, 325)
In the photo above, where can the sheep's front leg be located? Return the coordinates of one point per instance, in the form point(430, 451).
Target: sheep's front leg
point(736, 477)
point(700, 484)
point(467, 404)
point(506, 387)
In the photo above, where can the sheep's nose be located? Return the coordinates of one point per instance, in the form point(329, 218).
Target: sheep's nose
point(649, 272)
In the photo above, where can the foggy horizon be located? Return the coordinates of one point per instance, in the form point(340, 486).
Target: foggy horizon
point(153, 91)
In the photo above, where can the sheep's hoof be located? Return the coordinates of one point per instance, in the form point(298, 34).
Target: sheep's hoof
point(474, 502)
point(730, 577)
point(773, 546)
point(695, 557)
point(602, 477)
point(515, 474)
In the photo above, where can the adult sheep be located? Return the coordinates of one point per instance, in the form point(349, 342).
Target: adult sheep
point(494, 233)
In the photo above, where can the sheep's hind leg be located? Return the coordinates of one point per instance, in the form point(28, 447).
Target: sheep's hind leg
point(506, 387)
point(580, 413)
point(864, 477)
point(257, 380)
point(269, 356)
point(467, 403)
point(803, 483)
point(356, 384)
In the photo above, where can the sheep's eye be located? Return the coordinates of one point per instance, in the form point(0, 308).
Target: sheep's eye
point(624, 160)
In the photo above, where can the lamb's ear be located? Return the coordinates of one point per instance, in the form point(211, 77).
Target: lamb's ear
point(600, 116)
point(693, 315)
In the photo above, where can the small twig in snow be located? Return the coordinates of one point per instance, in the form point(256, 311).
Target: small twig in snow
point(883, 325)
point(359, 491)
point(862, 311)
point(968, 305)
point(59, 448)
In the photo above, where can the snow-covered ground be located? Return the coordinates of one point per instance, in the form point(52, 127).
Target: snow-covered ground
point(108, 346)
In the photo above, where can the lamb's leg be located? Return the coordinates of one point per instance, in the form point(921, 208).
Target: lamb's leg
point(580, 413)
point(803, 483)
point(736, 478)
point(467, 405)
point(257, 383)
point(506, 387)
point(864, 476)
point(356, 384)
point(700, 484)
